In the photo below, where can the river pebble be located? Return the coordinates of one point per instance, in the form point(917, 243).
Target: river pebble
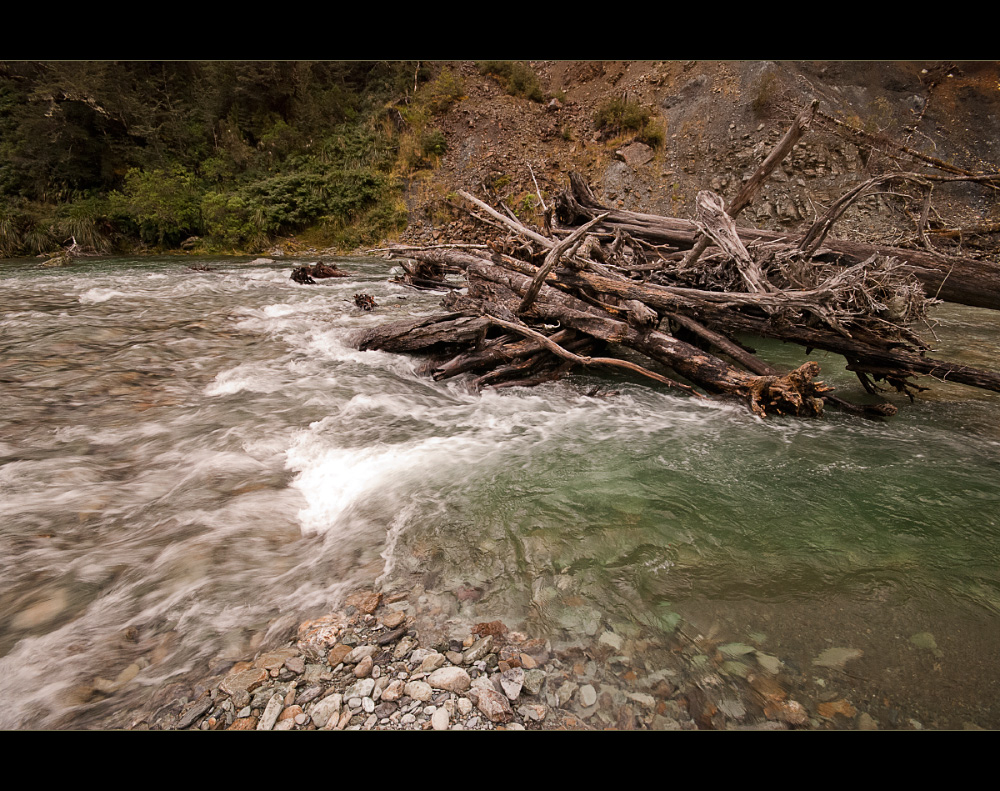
point(453, 679)
point(365, 668)
point(440, 719)
point(271, 712)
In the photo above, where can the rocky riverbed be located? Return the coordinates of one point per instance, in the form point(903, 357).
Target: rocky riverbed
point(381, 663)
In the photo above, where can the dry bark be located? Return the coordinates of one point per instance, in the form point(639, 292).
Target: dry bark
point(956, 279)
point(794, 393)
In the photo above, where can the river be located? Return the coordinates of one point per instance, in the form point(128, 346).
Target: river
point(193, 462)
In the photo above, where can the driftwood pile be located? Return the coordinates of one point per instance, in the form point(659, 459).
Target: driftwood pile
point(668, 299)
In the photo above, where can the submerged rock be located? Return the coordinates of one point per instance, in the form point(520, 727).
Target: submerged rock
point(837, 657)
point(483, 682)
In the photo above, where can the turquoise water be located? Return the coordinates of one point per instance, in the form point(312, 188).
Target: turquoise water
point(193, 462)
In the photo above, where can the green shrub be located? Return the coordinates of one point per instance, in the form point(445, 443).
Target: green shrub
point(418, 149)
point(499, 183)
point(652, 134)
point(26, 229)
point(359, 146)
point(446, 89)
point(10, 235)
point(379, 221)
point(279, 141)
point(233, 222)
point(290, 202)
point(619, 116)
point(433, 143)
point(516, 77)
point(525, 207)
point(39, 238)
point(164, 206)
point(88, 221)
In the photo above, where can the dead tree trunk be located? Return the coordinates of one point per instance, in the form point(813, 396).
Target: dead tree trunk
point(865, 351)
point(950, 278)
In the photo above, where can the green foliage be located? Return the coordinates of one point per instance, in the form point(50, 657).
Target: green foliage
point(516, 76)
point(446, 89)
point(31, 228)
point(25, 229)
point(237, 152)
point(420, 146)
point(357, 146)
point(619, 116)
point(525, 207)
point(164, 206)
point(289, 202)
point(10, 237)
point(371, 224)
point(232, 222)
point(420, 143)
point(39, 238)
point(280, 141)
point(652, 134)
point(433, 143)
point(87, 221)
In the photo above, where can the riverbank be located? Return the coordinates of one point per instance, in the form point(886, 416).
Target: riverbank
point(380, 663)
point(397, 662)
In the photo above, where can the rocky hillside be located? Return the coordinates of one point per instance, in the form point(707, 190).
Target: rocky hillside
point(717, 121)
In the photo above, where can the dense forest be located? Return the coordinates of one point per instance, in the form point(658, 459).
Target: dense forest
point(215, 156)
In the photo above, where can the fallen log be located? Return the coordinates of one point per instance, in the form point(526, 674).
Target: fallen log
point(865, 351)
point(566, 354)
point(868, 354)
point(305, 274)
point(949, 278)
point(711, 307)
point(423, 335)
point(793, 393)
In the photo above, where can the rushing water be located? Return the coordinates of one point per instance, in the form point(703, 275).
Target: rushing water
point(192, 462)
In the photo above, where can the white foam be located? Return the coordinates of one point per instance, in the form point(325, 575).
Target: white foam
point(281, 310)
point(265, 275)
point(98, 294)
point(387, 475)
point(335, 480)
point(253, 377)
